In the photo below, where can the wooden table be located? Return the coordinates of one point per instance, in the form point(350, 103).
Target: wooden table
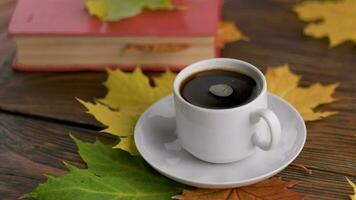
point(38, 110)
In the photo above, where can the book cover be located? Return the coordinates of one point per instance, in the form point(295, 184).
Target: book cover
point(70, 17)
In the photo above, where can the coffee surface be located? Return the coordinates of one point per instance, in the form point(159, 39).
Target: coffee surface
point(219, 89)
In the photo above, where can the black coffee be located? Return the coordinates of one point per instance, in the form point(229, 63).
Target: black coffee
point(219, 89)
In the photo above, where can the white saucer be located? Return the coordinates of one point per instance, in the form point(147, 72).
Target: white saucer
point(156, 140)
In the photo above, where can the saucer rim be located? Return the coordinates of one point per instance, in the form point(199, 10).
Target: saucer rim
point(225, 184)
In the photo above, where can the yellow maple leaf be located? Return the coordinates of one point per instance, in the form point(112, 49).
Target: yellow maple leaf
point(129, 94)
point(128, 144)
point(335, 19)
point(119, 123)
point(96, 8)
point(352, 197)
point(283, 82)
point(228, 32)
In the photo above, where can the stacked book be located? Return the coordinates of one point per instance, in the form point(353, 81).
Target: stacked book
point(60, 35)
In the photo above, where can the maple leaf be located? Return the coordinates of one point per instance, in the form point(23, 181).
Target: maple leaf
point(111, 174)
point(352, 197)
point(333, 19)
point(271, 189)
point(129, 94)
point(113, 10)
point(228, 32)
point(283, 82)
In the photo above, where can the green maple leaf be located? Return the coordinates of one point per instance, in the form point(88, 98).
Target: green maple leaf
point(111, 174)
point(113, 10)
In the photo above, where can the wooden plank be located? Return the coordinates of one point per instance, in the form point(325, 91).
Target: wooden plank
point(270, 45)
point(330, 144)
point(319, 185)
point(30, 148)
point(6, 44)
point(50, 95)
point(275, 38)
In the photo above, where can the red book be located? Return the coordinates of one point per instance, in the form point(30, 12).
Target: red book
point(60, 35)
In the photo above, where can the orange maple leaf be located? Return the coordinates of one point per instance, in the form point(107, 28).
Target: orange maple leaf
point(271, 189)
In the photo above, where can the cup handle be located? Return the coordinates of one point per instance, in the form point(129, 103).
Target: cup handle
point(274, 129)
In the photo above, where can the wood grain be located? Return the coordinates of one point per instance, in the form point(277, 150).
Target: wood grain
point(38, 110)
point(6, 45)
point(37, 93)
point(276, 38)
point(30, 148)
point(330, 144)
point(318, 185)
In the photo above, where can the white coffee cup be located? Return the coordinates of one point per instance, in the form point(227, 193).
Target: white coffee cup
point(225, 135)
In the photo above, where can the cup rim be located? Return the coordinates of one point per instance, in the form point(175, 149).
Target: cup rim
point(177, 83)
